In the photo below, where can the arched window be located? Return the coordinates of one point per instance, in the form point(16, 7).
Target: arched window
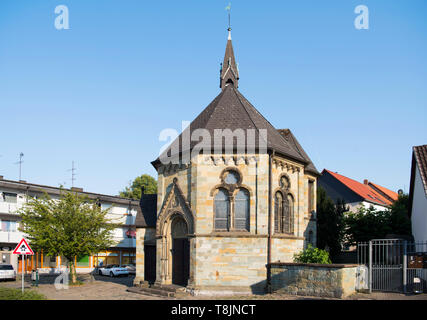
point(278, 205)
point(290, 214)
point(231, 177)
point(222, 210)
point(284, 182)
point(241, 210)
point(283, 213)
point(286, 216)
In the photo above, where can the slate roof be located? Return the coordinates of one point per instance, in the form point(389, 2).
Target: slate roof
point(146, 215)
point(420, 156)
point(289, 137)
point(231, 110)
point(363, 190)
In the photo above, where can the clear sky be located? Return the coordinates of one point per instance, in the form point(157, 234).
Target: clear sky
point(101, 92)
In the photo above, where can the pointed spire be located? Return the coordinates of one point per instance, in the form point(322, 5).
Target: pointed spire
point(229, 74)
point(229, 70)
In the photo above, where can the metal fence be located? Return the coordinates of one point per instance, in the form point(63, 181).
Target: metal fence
point(394, 265)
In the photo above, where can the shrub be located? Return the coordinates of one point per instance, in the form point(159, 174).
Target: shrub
point(312, 255)
point(16, 294)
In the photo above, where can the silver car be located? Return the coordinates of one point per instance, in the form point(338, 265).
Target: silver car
point(7, 272)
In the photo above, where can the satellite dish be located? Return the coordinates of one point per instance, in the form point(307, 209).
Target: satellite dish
point(400, 192)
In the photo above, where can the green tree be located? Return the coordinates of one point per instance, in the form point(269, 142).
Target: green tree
point(133, 191)
point(330, 222)
point(368, 224)
point(72, 226)
point(400, 223)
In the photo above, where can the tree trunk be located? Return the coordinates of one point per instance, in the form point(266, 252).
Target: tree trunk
point(73, 272)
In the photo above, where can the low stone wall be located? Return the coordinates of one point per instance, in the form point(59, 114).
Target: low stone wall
point(309, 279)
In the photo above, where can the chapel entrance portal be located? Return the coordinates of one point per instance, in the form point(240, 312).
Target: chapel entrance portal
point(180, 252)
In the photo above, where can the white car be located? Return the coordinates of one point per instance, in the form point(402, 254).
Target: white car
point(7, 272)
point(130, 267)
point(113, 270)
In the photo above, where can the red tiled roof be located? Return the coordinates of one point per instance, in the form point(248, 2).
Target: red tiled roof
point(363, 190)
point(393, 195)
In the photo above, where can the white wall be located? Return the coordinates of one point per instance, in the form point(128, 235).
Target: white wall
point(419, 209)
point(354, 206)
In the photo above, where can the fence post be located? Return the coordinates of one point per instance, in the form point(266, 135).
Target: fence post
point(370, 266)
point(405, 260)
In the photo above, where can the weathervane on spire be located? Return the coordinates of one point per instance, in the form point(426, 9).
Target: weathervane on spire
point(228, 8)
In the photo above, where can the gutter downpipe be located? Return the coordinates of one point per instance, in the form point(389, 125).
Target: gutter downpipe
point(270, 162)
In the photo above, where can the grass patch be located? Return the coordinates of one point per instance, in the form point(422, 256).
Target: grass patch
point(16, 294)
point(77, 283)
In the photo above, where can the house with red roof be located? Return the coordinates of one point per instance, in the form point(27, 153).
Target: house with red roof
point(355, 193)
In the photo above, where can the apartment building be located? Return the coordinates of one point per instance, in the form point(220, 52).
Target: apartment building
point(14, 194)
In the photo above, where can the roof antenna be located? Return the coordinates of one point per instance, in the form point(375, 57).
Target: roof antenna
point(73, 175)
point(228, 8)
point(20, 164)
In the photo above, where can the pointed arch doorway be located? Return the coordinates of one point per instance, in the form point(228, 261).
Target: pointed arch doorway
point(180, 251)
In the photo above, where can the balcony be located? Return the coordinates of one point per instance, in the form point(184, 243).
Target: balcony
point(11, 208)
point(10, 237)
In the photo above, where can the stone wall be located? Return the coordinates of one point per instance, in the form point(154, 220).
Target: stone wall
point(231, 262)
point(143, 236)
point(323, 280)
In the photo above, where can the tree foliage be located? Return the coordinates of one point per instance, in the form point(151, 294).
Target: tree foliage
point(369, 223)
point(330, 222)
point(133, 191)
point(72, 226)
point(312, 255)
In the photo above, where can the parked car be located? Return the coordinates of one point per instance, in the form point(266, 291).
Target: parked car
point(131, 267)
point(7, 272)
point(113, 270)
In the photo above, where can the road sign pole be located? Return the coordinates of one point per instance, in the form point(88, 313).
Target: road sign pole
point(23, 249)
point(22, 261)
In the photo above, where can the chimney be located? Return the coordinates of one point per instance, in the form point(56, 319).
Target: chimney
point(1, 177)
point(365, 181)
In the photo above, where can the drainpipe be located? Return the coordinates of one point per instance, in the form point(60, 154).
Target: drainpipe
point(256, 196)
point(270, 164)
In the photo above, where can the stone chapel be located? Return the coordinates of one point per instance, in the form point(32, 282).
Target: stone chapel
point(222, 214)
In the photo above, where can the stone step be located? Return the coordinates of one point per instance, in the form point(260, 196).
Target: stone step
point(169, 288)
point(152, 291)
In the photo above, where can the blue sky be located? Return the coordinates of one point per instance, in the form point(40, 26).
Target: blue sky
point(101, 92)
